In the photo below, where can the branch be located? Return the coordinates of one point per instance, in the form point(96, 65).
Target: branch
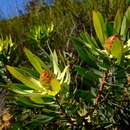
point(100, 91)
point(70, 119)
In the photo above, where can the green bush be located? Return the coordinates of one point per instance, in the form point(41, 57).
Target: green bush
point(83, 89)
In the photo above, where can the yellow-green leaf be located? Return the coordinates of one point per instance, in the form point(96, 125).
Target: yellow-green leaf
point(36, 62)
point(99, 26)
point(28, 81)
point(118, 21)
point(55, 63)
point(36, 99)
point(117, 50)
point(55, 87)
point(19, 88)
point(125, 23)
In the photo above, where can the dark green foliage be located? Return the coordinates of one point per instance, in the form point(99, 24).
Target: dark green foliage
point(97, 94)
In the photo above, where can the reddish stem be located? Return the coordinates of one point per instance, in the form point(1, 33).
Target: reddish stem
point(100, 91)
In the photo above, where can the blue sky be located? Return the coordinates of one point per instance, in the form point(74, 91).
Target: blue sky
point(9, 8)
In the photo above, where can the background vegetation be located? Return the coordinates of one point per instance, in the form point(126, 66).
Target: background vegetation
point(66, 66)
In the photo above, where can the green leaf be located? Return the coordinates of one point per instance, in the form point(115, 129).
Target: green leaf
point(87, 39)
point(36, 62)
point(54, 57)
point(54, 87)
point(126, 47)
point(32, 102)
point(20, 89)
point(24, 101)
point(117, 50)
point(88, 74)
point(109, 27)
point(118, 21)
point(16, 126)
point(99, 26)
point(83, 53)
point(28, 72)
point(28, 81)
point(64, 76)
point(38, 120)
point(83, 94)
point(36, 99)
point(125, 23)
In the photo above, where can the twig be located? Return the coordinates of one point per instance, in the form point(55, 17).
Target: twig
point(70, 119)
point(111, 85)
point(100, 91)
point(68, 41)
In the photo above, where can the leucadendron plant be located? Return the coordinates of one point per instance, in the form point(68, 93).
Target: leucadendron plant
point(100, 98)
point(7, 48)
point(45, 82)
point(104, 83)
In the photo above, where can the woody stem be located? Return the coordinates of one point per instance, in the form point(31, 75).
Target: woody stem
point(100, 91)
